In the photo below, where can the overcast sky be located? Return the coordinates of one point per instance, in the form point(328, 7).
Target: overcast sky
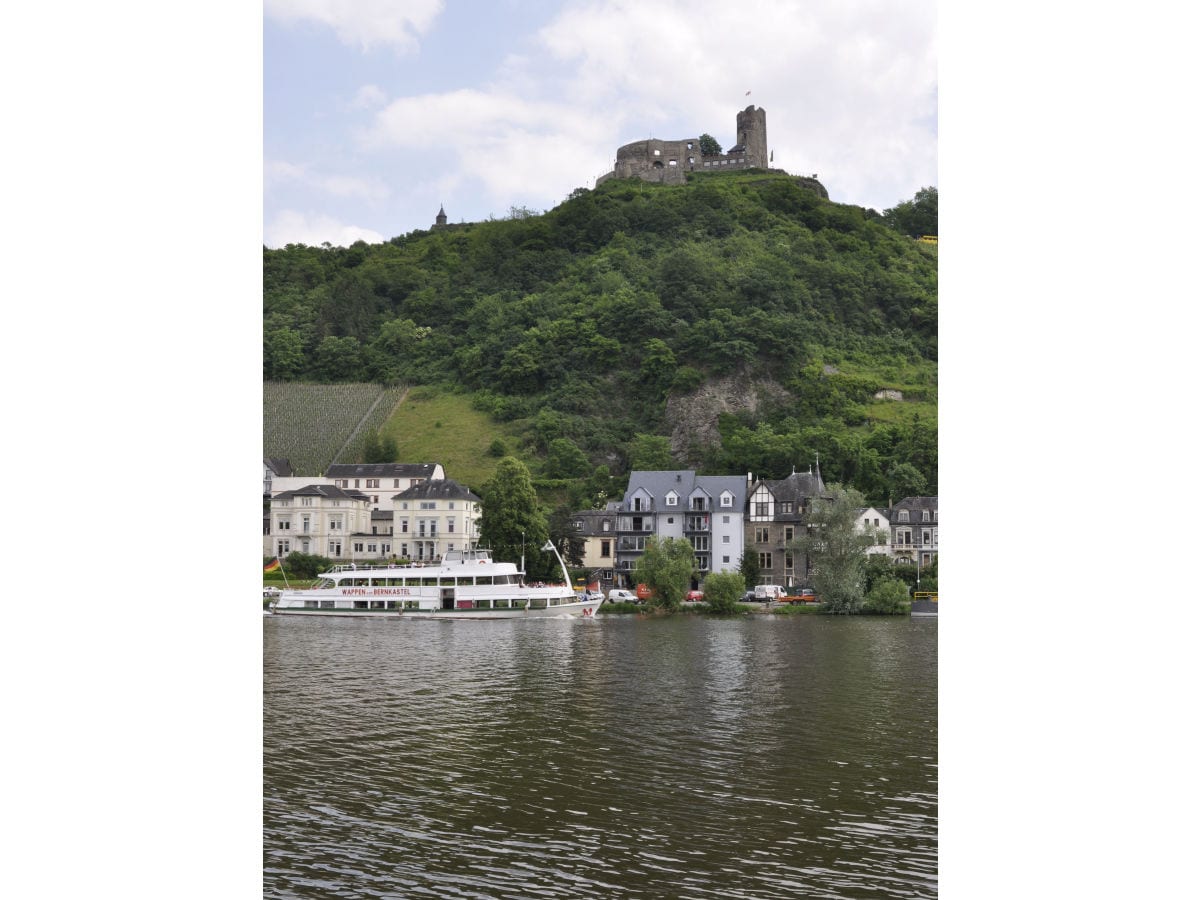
point(378, 112)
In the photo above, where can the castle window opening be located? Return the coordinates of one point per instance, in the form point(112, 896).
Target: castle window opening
point(689, 143)
point(672, 162)
point(658, 153)
point(691, 159)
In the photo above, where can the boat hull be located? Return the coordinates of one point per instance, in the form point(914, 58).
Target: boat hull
point(566, 610)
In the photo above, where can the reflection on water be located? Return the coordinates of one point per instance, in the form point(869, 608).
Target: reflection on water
point(570, 758)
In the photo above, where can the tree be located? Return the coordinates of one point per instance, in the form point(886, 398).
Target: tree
point(917, 216)
point(389, 450)
point(283, 355)
point(565, 460)
point(512, 522)
point(709, 146)
point(723, 590)
point(566, 536)
point(837, 548)
point(666, 568)
point(904, 480)
point(749, 568)
point(372, 449)
point(650, 453)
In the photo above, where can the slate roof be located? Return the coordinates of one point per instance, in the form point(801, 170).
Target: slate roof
point(441, 489)
point(593, 520)
point(684, 482)
point(380, 470)
point(914, 503)
point(279, 465)
point(323, 490)
point(797, 487)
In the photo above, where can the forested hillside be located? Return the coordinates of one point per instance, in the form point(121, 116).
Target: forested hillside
point(596, 331)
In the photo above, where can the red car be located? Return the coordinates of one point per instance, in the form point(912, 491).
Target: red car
point(695, 596)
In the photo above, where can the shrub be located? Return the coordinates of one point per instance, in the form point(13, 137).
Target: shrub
point(889, 597)
point(723, 590)
point(305, 565)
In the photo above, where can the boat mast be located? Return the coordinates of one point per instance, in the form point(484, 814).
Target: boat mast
point(550, 548)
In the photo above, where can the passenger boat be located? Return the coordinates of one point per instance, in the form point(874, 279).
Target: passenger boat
point(464, 584)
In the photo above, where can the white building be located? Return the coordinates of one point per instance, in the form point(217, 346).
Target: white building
point(317, 519)
point(876, 521)
point(379, 481)
point(432, 517)
point(914, 530)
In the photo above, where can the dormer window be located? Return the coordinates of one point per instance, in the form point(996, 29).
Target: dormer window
point(924, 515)
point(903, 517)
point(727, 500)
point(672, 499)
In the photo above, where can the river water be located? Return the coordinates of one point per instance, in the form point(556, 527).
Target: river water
point(616, 757)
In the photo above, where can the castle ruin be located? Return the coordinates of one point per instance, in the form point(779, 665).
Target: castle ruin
point(668, 162)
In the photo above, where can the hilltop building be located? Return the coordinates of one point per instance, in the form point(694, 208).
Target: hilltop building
point(374, 479)
point(440, 220)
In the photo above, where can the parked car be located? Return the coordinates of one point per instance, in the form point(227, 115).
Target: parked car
point(748, 597)
point(616, 595)
point(695, 596)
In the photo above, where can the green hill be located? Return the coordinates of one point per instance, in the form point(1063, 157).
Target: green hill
point(738, 323)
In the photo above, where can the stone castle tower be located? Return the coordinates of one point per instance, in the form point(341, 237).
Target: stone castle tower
point(440, 221)
point(752, 136)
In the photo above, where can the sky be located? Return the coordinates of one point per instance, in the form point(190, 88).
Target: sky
point(377, 114)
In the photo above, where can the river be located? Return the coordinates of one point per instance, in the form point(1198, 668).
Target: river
point(768, 756)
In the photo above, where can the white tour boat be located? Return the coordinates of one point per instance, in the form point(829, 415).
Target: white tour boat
point(465, 584)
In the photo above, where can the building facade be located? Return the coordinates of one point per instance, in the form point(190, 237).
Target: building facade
point(598, 529)
point(433, 517)
point(775, 517)
point(914, 530)
point(379, 481)
point(706, 510)
point(317, 519)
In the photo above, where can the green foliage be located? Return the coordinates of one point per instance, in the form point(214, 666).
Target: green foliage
point(305, 565)
point(667, 568)
point(592, 317)
point(917, 216)
point(565, 460)
point(709, 145)
point(498, 448)
point(512, 522)
point(749, 569)
point(887, 598)
point(723, 590)
point(837, 549)
point(651, 453)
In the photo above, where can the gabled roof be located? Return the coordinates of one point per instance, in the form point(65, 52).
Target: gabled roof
point(716, 485)
point(381, 470)
point(914, 504)
point(797, 487)
point(659, 484)
point(327, 491)
point(278, 465)
point(593, 519)
point(440, 489)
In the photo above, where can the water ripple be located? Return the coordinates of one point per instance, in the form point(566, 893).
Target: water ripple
point(640, 758)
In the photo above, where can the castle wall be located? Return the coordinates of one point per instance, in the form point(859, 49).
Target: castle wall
point(668, 162)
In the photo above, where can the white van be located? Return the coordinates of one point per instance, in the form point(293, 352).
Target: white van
point(616, 595)
point(768, 592)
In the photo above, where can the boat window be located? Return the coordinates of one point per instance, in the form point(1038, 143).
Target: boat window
point(483, 604)
point(360, 604)
point(376, 604)
point(537, 603)
point(518, 604)
point(327, 604)
point(310, 604)
point(391, 604)
point(483, 579)
point(500, 604)
point(411, 604)
point(429, 582)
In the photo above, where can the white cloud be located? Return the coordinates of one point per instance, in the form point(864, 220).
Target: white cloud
point(314, 229)
point(369, 95)
point(277, 173)
point(363, 23)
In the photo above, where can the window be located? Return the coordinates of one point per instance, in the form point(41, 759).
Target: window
point(395, 482)
point(605, 549)
point(671, 162)
point(762, 535)
point(375, 500)
point(725, 559)
point(724, 539)
point(385, 548)
point(658, 153)
point(428, 504)
point(672, 499)
point(282, 548)
point(358, 547)
point(762, 509)
point(789, 533)
point(450, 505)
point(450, 525)
point(404, 526)
point(606, 525)
point(335, 548)
point(306, 501)
point(356, 482)
point(786, 507)
point(689, 143)
point(727, 500)
point(903, 516)
point(372, 482)
point(284, 525)
point(924, 515)
point(764, 561)
point(724, 520)
point(691, 159)
point(670, 520)
point(699, 542)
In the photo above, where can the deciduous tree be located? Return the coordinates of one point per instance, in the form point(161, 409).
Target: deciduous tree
point(512, 522)
point(837, 548)
point(666, 568)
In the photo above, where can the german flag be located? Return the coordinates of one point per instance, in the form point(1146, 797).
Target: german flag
point(272, 566)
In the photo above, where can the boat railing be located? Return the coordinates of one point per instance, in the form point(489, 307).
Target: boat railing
point(390, 567)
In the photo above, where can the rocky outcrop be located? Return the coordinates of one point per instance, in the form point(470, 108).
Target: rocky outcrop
point(693, 417)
